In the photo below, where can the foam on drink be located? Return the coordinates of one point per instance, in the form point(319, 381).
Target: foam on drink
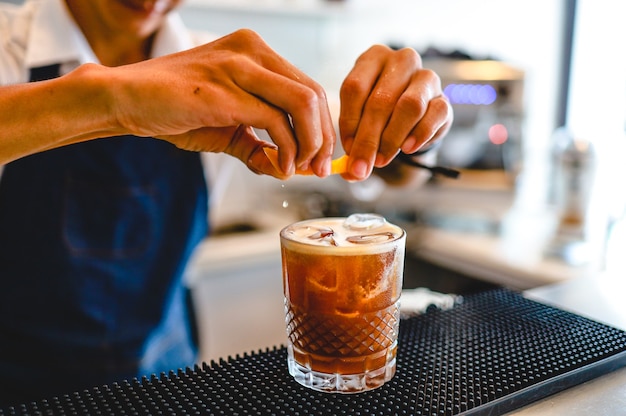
point(349, 234)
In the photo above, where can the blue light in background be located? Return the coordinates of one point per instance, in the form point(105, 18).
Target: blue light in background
point(473, 94)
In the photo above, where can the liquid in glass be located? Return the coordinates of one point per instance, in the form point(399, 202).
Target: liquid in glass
point(342, 280)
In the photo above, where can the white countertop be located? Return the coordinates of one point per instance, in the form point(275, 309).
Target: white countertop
point(601, 298)
point(494, 259)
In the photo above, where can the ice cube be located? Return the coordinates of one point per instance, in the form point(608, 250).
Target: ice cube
point(323, 235)
point(371, 238)
point(364, 221)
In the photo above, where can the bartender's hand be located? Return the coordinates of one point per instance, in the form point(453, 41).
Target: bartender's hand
point(389, 103)
point(215, 93)
point(204, 99)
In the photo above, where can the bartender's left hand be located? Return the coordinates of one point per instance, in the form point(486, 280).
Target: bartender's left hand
point(389, 103)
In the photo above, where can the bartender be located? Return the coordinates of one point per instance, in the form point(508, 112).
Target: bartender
point(95, 234)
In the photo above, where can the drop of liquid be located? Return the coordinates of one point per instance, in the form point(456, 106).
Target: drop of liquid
point(285, 204)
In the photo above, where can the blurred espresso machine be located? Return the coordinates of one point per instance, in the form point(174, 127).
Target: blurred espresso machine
point(485, 143)
point(488, 101)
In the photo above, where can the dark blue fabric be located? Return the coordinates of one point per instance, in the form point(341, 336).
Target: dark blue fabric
point(94, 239)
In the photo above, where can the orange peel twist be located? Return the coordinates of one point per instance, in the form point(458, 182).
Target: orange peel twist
point(337, 166)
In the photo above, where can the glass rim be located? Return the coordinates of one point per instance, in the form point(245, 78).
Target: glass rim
point(354, 248)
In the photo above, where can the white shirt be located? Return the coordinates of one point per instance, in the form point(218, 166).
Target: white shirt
point(43, 32)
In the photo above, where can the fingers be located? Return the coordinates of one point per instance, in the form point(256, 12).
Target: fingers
point(248, 147)
point(415, 118)
point(301, 125)
point(354, 93)
point(240, 142)
point(389, 103)
point(239, 80)
point(434, 124)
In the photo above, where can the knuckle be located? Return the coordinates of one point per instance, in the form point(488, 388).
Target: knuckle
point(309, 149)
point(441, 105)
point(246, 33)
point(374, 50)
point(380, 100)
point(431, 77)
point(379, 48)
point(243, 38)
point(368, 144)
point(351, 87)
point(428, 81)
point(410, 56)
point(308, 99)
point(413, 104)
point(320, 92)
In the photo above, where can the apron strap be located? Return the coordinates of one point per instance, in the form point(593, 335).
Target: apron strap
point(43, 73)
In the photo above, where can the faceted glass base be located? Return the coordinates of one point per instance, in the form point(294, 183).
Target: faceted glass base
point(341, 383)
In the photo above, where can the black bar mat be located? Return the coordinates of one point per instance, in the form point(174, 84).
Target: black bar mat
point(493, 353)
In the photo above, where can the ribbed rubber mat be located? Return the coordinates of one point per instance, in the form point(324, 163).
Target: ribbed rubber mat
point(494, 352)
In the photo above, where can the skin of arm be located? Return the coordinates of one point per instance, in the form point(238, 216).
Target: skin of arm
point(39, 116)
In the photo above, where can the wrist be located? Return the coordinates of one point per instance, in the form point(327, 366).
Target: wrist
point(94, 101)
point(53, 113)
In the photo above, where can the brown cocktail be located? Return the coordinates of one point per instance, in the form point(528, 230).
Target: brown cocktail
point(342, 281)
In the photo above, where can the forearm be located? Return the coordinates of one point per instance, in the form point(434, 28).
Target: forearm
point(43, 115)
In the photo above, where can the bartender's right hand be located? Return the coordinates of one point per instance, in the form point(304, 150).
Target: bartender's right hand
point(209, 98)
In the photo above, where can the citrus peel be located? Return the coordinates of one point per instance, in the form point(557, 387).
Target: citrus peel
point(337, 166)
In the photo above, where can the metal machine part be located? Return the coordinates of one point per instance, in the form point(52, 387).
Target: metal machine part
point(488, 101)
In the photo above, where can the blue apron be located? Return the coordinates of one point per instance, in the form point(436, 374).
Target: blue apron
point(94, 239)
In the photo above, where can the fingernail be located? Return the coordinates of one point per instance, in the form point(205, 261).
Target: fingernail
point(289, 168)
point(360, 168)
point(379, 160)
point(326, 169)
point(303, 166)
point(409, 145)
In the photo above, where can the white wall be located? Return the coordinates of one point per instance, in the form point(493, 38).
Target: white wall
point(598, 82)
point(597, 108)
